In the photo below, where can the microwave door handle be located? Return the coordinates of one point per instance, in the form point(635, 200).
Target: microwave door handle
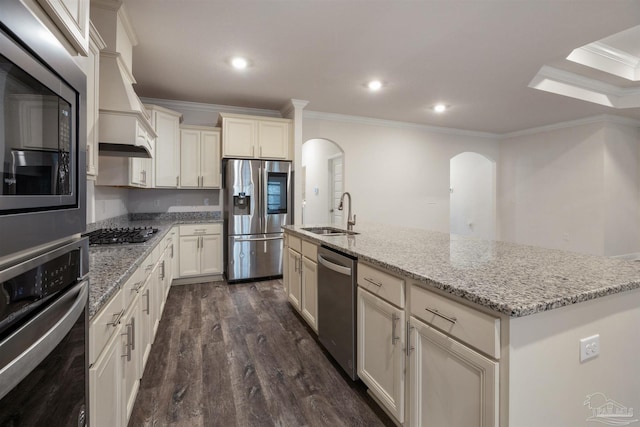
point(33, 353)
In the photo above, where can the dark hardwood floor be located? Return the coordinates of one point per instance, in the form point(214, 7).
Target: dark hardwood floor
point(239, 355)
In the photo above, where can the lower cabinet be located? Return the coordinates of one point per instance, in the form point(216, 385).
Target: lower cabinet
point(300, 271)
point(450, 384)
point(200, 249)
point(309, 303)
point(120, 339)
point(105, 384)
point(294, 277)
point(381, 351)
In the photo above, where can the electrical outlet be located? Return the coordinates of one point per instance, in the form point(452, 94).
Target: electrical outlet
point(589, 347)
point(156, 203)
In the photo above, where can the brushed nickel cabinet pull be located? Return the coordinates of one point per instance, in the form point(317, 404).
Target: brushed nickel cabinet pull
point(394, 320)
point(410, 348)
point(117, 317)
point(373, 282)
point(437, 313)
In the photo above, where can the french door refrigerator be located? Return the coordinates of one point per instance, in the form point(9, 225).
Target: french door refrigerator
point(257, 203)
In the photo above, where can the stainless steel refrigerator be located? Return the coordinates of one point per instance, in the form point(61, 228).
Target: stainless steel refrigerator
point(257, 203)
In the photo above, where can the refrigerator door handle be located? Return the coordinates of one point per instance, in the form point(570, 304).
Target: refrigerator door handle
point(258, 239)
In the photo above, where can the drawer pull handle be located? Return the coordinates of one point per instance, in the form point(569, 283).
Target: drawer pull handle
point(117, 317)
point(437, 313)
point(394, 320)
point(373, 282)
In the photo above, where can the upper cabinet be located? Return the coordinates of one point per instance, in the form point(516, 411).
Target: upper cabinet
point(166, 160)
point(96, 44)
point(200, 157)
point(72, 18)
point(255, 137)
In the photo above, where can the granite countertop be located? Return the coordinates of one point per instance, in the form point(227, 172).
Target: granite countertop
point(508, 278)
point(110, 266)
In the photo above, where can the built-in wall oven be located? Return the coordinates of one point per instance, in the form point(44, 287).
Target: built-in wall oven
point(42, 137)
point(43, 339)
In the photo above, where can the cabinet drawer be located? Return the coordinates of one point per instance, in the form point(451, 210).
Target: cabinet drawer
point(195, 229)
point(381, 284)
point(468, 325)
point(133, 285)
point(104, 324)
point(310, 250)
point(295, 243)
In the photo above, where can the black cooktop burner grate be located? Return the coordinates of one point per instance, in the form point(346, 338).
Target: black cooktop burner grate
point(109, 236)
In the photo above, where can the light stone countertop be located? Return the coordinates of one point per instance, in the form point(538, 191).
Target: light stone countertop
point(110, 266)
point(508, 278)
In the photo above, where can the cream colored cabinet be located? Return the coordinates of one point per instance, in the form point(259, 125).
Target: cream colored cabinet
point(453, 358)
point(72, 18)
point(255, 137)
point(300, 271)
point(294, 278)
point(380, 348)
point(200, 157)
point(309, 302)
point(131, 356)
point(120, 339)
point(200, 249)
point(105, 384)
point(450, 384)
point(96, 44)
point(166, 162)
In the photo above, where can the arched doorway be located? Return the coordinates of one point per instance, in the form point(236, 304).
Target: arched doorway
point(472, 184)
point(322, 181)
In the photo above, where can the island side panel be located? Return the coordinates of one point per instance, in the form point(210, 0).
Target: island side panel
point(549, 386)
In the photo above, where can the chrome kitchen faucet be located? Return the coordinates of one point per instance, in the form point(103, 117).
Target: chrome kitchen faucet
point(350, 222)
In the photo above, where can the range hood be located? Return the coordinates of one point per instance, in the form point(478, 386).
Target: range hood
point(124, 125)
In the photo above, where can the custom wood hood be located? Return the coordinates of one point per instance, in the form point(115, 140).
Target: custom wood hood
point(125, 127)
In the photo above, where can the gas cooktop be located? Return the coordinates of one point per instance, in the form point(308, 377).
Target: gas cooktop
point(108, 236)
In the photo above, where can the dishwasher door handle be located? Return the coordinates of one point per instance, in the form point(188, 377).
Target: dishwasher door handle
point(334, 267)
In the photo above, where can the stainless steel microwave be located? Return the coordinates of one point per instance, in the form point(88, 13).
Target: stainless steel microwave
point(42, 136)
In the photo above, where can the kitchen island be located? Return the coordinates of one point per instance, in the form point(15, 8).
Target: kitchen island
point(537, 303)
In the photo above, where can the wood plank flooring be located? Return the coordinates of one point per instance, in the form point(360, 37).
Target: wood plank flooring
point(239, 355)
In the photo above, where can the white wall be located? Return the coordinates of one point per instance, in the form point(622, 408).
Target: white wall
point(315, 157)
point(573, 188)
point(473, 196)
point(164, 200)
point(110, 202)
point(397, 173)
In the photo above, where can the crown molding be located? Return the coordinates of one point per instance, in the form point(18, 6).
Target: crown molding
point(609, 59)
point(334, 117)
point(602, 118)
point(209, 108)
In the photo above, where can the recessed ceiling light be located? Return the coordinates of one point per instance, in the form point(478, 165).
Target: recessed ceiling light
point(239, 63)
point(374, 85)
point(439, 108)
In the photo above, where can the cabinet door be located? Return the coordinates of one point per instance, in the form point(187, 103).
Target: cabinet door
point(380, 351)
point(210, 159)
point(167, 155)
point(139, 172)
point(131, 355)
point(310, 292)
point(273, 140)
point(285, 264)
point(211, 254)
point(239, 137)
point(189, 255)
point(295, 278)
point(72, 18)
point(93, 79)
point(105, 385)
point(145, 335)
point(450, 384)
point(189, 158)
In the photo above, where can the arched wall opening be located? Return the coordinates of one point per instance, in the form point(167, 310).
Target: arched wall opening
point(322, 181)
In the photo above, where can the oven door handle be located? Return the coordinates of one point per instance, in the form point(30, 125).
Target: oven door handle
point(27, 347)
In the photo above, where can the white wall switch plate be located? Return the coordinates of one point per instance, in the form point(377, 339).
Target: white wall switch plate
point(589, 347)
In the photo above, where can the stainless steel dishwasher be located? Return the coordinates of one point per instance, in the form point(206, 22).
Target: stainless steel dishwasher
point(337, 307)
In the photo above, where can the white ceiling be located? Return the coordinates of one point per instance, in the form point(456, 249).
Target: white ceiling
point(478, 56)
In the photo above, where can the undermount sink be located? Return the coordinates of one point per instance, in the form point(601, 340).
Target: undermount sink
point(329, 231)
